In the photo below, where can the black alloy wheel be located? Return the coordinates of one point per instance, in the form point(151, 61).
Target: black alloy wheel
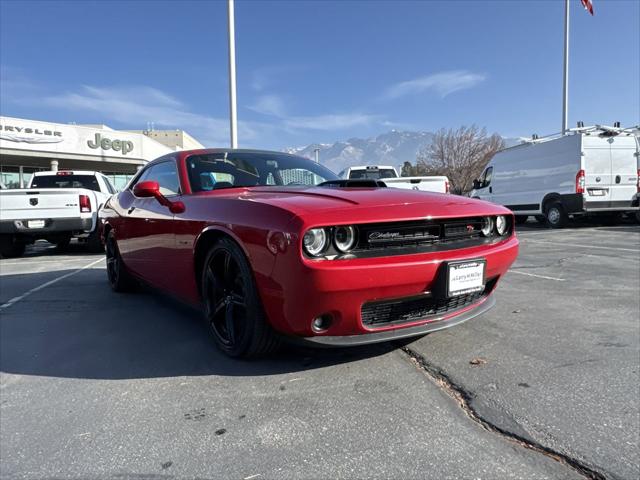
point(119, 278)
point(232, 307)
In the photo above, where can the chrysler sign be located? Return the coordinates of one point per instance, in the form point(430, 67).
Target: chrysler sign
point(21, 136)
point(14, 133)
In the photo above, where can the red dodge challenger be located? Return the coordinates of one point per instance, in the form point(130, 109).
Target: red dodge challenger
point(274, 245)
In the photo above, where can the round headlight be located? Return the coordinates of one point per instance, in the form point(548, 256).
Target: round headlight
point(344, 238)
point(487, 226)
point(501, 225)
point(315, 241)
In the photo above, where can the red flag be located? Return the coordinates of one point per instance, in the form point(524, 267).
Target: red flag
point(588, 5)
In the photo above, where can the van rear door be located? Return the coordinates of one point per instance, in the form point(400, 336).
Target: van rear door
point(597, 169)
point(624, 169)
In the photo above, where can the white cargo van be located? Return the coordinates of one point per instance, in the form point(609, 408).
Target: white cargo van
point(593, 170)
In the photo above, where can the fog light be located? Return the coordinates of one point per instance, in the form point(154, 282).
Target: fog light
point(321, 323)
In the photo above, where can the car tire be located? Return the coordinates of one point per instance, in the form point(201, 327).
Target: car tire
point(119, 277)
point(11, 247)
point(232, 308)
point(94, 242)
point(555, 215)
point(521, 219)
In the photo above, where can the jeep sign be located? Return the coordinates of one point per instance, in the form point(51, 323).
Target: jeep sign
point(124, 146)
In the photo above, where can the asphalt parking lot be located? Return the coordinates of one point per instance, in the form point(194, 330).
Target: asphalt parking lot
point(546, 385)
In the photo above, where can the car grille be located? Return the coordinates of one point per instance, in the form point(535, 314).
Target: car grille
point(412, 309)
point(418, 233)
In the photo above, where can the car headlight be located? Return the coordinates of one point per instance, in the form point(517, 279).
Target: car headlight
point(487, 226)
point(344, 238)
point(315, 241)
point(501, 225)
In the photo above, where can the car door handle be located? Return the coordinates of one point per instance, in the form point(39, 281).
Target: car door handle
point(490, 189)
point(131, 210)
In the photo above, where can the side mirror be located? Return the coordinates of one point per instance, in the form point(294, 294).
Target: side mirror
point(476, 184)
point(150, 188)
point(146, 189)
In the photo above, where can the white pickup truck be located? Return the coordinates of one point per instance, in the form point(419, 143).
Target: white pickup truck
point(390, 177)
point(56, 207)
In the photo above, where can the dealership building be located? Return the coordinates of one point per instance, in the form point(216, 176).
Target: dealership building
point(27, 146)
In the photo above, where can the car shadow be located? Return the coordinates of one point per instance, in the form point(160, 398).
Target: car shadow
point(623, 224)
point(42, 248)
point(84, 330)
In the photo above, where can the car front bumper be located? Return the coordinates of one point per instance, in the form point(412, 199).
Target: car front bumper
point(299, 290)
point(433, 325)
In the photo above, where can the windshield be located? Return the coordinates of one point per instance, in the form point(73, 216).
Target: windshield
point(228, 169)
point(372, 174)
point(66, 181)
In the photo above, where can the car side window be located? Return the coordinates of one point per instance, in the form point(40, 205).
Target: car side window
point(166, 175)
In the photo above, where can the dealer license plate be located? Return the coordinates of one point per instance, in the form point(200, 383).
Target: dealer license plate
point(35, 224)
point(465, 277)
point(596, 193)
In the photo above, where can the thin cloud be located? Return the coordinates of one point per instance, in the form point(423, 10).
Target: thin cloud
point(331, 121)
point(443, 83)
point(137, 105)
point(272, 105)
point(265, 77)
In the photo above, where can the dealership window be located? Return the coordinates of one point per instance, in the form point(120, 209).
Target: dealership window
point(15, 176)
point(10, 176)
point(119, 180)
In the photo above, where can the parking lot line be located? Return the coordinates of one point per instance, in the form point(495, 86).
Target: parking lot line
point(45, 285)
point(537, 276)
point(563, 244)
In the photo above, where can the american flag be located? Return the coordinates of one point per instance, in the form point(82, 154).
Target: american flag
point(588, 5)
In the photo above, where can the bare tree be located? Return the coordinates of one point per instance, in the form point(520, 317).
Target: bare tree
point(460, 154)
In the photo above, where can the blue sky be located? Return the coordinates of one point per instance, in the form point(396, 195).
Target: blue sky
point(319, 71)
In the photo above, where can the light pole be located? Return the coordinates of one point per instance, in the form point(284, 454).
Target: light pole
point(233, 114)
point(565, 80)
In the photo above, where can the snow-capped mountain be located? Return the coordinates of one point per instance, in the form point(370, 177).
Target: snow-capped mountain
point(391, 148)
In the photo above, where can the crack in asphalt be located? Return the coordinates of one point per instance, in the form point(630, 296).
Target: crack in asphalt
point(463, 398)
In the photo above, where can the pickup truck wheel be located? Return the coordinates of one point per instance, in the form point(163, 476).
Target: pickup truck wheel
point(232, 307)
point(11, 247)
point(94, 243)
point(555, 215)
point(119, 278)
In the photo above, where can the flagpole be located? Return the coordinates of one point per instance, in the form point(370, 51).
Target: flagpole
point(233, 115)
point(565, 84)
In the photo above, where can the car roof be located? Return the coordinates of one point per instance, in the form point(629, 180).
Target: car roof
point(68, 172)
